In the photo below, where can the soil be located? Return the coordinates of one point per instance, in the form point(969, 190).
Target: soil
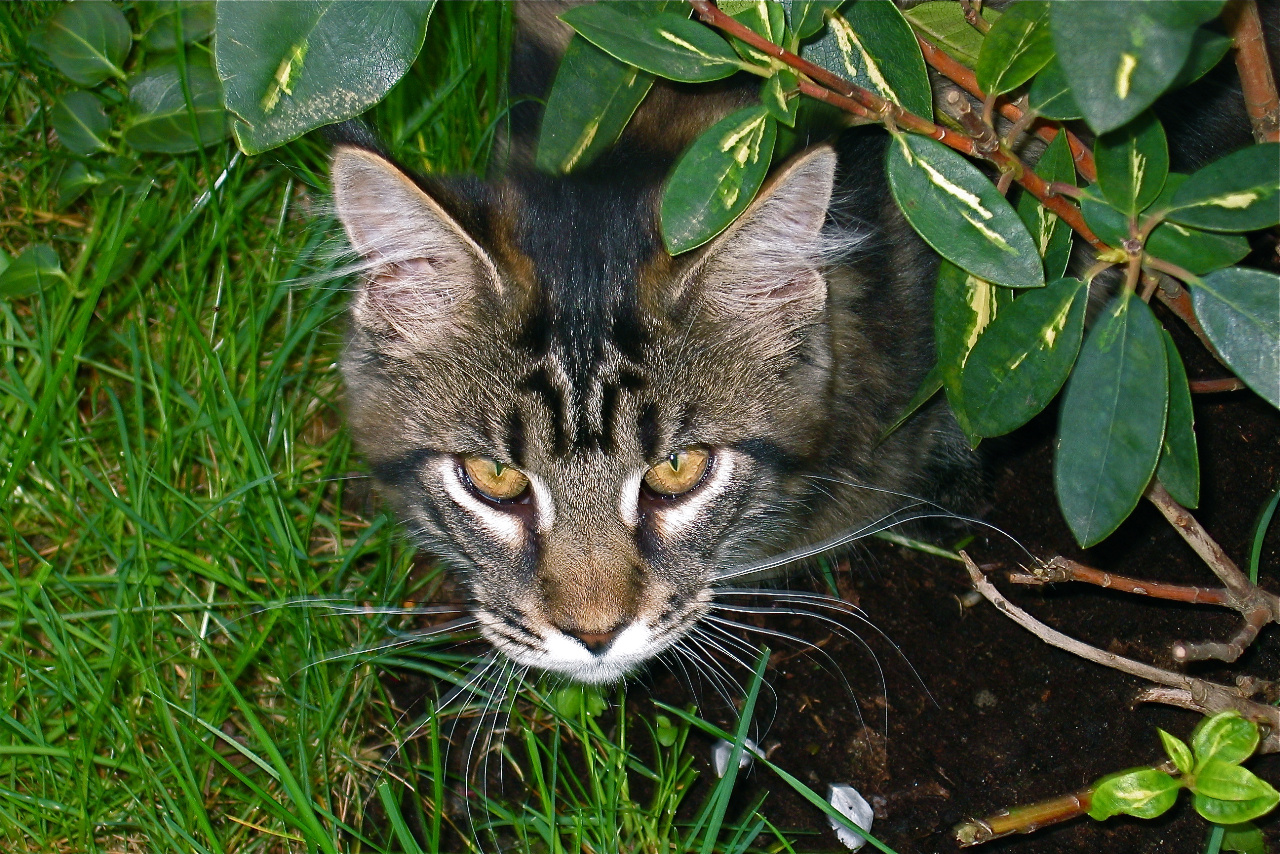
point(943, 709)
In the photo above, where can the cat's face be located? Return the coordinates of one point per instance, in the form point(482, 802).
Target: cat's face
point(588, 430)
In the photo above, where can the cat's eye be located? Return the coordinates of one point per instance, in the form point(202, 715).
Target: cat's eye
point(678, 473)
point(493, 480)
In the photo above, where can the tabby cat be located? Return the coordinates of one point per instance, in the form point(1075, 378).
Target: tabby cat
point(596, 434)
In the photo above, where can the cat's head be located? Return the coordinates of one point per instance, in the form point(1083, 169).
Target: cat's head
point(587, 429)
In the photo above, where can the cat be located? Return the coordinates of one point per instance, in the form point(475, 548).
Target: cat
point(595, 434)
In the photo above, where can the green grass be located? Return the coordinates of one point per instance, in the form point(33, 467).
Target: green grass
point(182, 507)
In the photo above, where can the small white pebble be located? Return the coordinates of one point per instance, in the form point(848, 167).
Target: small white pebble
point(721, 750)
point(853, 806)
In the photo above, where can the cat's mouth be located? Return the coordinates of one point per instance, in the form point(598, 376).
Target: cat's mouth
point(587, 659)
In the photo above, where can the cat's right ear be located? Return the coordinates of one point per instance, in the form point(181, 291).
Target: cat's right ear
point(421, 269)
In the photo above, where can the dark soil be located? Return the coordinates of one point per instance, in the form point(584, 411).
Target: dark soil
point(980, 714)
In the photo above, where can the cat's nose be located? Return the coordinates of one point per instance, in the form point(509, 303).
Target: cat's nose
point(596, 642)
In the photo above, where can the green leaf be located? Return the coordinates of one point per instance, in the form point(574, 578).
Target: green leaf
point(74, 181)
point(1050, 94)
point(765, 18)
point(960, 213)
point(196, 18)
point(288, 68)
point(1237, 193)
point(81, 123)
point(1112, 424)
point(963, 306)
point(1227, 781)
point(809, 16)
point(943, 23)
point(665, 730)
point(88, 41)
point(929, 386)
point(1179, 466)
point(1233, 812)
point(591, 101)
point(1142, 792)
point(166, 122)
point(1133, 163)
point(1240, 310)
point(1207, 50)
point(1051, 235)
point(716, 178)
point(1023, 357)
point(1017, 46)
point(1225, 737)
point(1177, 750)
point(773, 94)
point(36, 268)
point(1120, 56)
point(1196, 251)
point(665, 44)
point(568, 701)
point(874, 47)
point(1245, 838)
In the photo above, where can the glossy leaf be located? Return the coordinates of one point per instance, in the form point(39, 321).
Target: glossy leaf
point(1120, 56)
point(1050, 94)
point(1052, 236)
point(288, 68)
point(1225, 737)
point(193, 18)
point(1015, 48)
point(873, 46)
point(666, 44)
point(716, 178)
point(591, 101)
point(960, 213)
point(1179, 466)
point(1113, 417)
point(1196, 251)
point(1233, 812)
point(1207, 50)
point(1023, 357)
point(808, 16)
point(1133, 163)
point(777, 95)
point(166, 122)
point(943, 23)
point(1244, 838)
point(81, 122)
point(1239, 308)
point(1143, 793)
point(963, 306)
point(88, 41)
point(765, 18)
point(36, 268)
point(1240, 192)
point(1227, 781)
point(1177, 750)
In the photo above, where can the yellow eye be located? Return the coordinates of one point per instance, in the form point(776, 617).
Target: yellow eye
point(493, 480)
point(678, 473)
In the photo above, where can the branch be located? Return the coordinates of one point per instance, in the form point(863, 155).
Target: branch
point(965, 79)
point(1256, 80)
point(1060, 569)
point(1222, 384)
point(895, 116)
point(1208, 697)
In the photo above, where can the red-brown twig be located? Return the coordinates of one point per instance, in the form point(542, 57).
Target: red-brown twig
point(1061, 569)
point(889, 112)
point(1256, 79)
point(973, 15)
point(964, 78)
point(1211, 386)
point(1201, 695)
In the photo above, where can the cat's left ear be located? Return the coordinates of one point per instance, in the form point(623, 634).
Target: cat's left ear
point(766, 267)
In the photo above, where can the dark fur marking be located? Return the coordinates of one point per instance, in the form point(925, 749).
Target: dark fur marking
point(515, 440)
point(403, 469)
point(538, 382)
point(648, 432)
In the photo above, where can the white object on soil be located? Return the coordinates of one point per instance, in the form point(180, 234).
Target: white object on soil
point(849, 803)
point(721, 750)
